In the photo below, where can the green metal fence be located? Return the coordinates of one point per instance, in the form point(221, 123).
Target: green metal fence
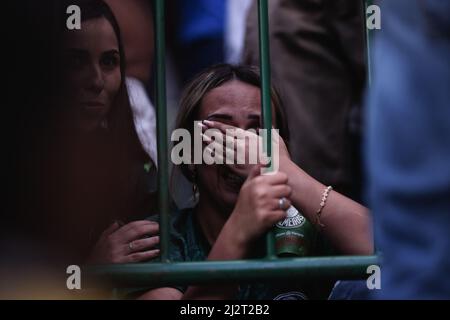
point(167, 273)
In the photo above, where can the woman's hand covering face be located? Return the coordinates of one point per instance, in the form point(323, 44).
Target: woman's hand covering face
point(242, 149)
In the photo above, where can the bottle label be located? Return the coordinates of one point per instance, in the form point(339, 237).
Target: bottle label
point(293, 219)
point(293, 234)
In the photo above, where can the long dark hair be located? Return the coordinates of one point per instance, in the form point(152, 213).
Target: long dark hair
point(125, 150)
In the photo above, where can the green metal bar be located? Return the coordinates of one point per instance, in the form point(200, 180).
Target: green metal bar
point(212, 272)
point(264, 53)
point(266, 107)
point(368, 37)
point(163, 167)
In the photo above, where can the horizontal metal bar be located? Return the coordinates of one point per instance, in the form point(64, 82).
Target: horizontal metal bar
point(212, 272)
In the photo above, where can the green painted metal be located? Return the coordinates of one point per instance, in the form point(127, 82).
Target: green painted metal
point(266, 101)
point(163, 274)
point(163, 163)
point(264, 54)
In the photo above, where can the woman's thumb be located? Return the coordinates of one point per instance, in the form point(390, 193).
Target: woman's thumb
point(255, 171)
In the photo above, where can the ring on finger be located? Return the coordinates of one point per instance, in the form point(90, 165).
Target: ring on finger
point(282, 203)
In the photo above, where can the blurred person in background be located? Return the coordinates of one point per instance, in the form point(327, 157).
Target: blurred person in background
point(317, 58)
point(82, 188)
point(196, 35)
point(135, 19)
point(236, 20)
point(408, 149)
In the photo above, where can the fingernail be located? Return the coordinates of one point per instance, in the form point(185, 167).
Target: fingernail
point(201, 125)
point(206, 138)
point(209, 123)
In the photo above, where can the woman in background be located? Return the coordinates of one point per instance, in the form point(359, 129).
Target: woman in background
point(93, 191)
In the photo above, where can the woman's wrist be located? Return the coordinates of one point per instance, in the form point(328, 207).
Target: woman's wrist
point(299, 180)
point(287, 165)
point(306, 191)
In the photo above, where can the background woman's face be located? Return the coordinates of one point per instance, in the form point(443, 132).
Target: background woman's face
point(237, 104)
point(92, 74)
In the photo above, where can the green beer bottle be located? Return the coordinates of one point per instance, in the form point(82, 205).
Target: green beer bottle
point(294, 235)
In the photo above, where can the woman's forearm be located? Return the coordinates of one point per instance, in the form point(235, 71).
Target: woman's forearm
point(228, 246)
point(346, 223)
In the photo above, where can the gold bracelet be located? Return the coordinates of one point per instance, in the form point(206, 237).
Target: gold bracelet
point(325, 194)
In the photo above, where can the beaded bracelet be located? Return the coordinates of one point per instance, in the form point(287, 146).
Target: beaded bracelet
point(325, 194)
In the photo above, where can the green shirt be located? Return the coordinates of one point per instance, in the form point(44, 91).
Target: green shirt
point(189, 244)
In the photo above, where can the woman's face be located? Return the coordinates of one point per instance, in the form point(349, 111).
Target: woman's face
point(92, 74)
point(237, 104)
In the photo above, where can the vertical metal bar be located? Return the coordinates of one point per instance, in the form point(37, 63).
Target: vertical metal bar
point(368, 39)
point(266, 108)
point(163, 167)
